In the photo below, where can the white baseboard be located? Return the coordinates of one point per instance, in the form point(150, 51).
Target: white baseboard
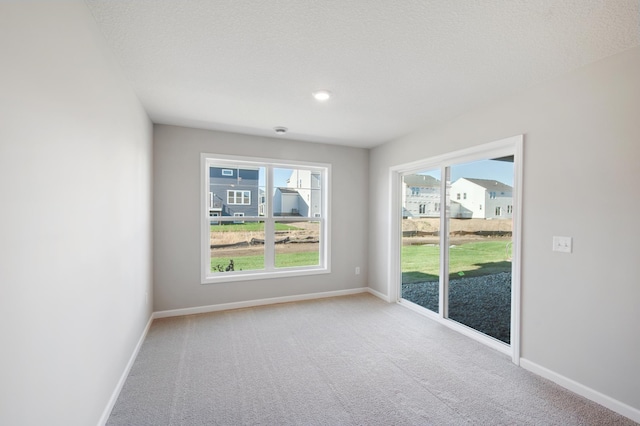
point(123, 377)
point(378, 294)
point(257, 302)
point(582, 390)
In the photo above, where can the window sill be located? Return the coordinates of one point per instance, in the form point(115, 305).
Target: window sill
point(263, 275)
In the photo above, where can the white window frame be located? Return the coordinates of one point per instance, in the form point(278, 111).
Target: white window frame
point(269, 220)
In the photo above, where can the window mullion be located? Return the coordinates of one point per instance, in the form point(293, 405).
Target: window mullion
point(444, 241)
point(269, 224)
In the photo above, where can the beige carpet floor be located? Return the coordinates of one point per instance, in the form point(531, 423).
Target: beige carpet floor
point(352, 360)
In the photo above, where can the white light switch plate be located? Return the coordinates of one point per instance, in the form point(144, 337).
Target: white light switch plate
point(563, 244)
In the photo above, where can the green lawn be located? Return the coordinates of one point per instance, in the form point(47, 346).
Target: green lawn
point(252, 263)
point(421, 263)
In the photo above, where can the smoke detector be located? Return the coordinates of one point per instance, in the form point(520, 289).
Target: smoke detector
point(280, 130)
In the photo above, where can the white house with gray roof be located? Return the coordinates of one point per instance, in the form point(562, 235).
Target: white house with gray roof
point(301, 196)
point(481, 199)
point(420, 196)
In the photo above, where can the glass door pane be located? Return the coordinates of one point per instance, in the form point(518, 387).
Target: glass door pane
point(480, 246)
point(420, 256)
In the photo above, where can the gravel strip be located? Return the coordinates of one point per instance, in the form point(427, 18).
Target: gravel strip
point(483, 303)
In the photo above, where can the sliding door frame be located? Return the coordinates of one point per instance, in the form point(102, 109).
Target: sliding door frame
point(504, 147)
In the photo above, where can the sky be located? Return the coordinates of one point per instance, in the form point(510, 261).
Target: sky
point(280, 177)
point(502, 171)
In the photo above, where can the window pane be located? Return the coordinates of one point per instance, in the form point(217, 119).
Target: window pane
point(420, 256)
point(297, 192)
point(234, 189)
point(297, 243)
point(243, 199)
point(236, 246)
point(480, 244)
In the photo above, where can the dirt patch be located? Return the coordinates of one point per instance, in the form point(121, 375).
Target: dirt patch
point(427, 230)
point(259, 249)
point(458, 225)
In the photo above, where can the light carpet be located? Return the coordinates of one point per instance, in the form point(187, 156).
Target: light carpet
point(352, 360)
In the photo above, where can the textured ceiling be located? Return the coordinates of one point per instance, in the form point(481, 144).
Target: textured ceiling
point(248, 65)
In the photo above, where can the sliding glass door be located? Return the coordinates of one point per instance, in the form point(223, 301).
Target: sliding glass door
point(480, 246)
point(458, 241)
point(420, 254)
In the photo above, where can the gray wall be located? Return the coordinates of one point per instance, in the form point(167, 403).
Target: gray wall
point(176, 207)
point(75, 219)
point(581, 311)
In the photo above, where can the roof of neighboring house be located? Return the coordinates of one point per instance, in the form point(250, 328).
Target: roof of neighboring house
point(421, 180)
point(287, 190)
point(490, 184)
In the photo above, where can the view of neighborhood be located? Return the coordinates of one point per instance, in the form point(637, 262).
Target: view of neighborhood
point(479, 221)
point(240, 193)
point(470, 198)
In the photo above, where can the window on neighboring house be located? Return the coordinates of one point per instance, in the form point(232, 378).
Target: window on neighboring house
point(239, 197)
point(256, 235)
point(509, 209)
point(239, 214)
point(492, 195)
point(436, 207)
point(422, 209)
point(227, 172)
point(464, 196)
point(498, 211)
point(458, 196)
point(480, 207)
point(214, 214)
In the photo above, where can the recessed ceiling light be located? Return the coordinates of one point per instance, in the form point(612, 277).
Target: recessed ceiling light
point(280, 130)
point(322, 95)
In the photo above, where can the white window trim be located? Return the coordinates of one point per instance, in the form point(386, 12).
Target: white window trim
point(227, 172)
point(508, 146)
point(270, 271)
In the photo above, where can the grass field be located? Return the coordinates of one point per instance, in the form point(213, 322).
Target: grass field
point(252, 263)
point(420, 263)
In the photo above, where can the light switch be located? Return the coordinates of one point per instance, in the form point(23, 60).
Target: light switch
point(563, 244)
